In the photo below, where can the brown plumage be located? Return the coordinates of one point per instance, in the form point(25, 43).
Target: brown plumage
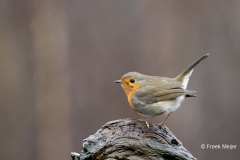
point(153, 95)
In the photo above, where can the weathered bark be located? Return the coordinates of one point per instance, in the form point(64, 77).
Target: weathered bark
point(131, 139)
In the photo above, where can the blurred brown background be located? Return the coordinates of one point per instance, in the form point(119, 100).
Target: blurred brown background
point(58, 61)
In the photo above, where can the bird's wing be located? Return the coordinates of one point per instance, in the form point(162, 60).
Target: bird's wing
point(161, 90)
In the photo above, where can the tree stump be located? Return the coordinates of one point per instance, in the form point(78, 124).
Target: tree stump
point(130, 139)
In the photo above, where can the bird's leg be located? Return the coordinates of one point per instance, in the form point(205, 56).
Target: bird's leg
point(147, 123)
point(163, 123)
point(146, 120)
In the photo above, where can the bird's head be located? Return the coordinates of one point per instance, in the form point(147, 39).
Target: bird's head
point(131, 81)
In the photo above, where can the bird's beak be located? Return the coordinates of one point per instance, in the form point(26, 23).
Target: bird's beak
point(118, 81)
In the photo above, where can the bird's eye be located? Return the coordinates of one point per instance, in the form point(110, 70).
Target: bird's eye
point(132, 80)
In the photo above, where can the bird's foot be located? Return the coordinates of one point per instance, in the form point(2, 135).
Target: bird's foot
point(145, 122)
point(165, 127)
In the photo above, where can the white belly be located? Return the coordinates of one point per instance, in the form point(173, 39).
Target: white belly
point(163, 107)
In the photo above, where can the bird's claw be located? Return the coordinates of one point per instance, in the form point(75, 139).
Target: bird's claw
point(165, 127)
point(147, 124)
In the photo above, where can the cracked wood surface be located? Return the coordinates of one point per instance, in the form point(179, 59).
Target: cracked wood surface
point(130, 139)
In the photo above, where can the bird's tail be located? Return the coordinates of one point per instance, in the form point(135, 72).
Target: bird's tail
point(191, 93)
point(184, 76)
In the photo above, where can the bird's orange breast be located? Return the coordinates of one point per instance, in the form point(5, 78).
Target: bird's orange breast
point(130, 100)
point(130, 93)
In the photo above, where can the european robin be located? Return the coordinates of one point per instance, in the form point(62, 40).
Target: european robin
point(151, 96)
